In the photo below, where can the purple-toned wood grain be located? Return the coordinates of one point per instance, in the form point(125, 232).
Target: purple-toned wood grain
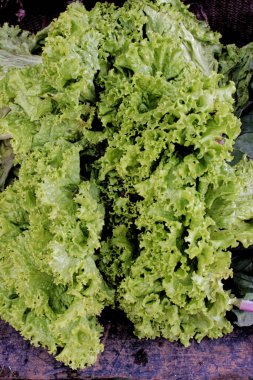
point(230, 357)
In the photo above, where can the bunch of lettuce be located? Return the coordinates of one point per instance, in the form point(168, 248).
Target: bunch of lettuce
point(51, 216)
point(123, 194)
point(237, 64)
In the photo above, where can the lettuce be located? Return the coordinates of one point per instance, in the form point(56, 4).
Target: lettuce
point(51, 289)
point(172, 197)
point(51, 216)
point(123, 133)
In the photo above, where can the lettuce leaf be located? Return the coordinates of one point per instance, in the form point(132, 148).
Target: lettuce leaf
point(16, 48)
point(236, 64)
point(16, 41)
point(51, 289)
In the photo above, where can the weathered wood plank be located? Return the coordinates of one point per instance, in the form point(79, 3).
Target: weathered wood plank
point(230, 357)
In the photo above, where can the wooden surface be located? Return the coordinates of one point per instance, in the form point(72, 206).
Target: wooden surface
point(230, 357)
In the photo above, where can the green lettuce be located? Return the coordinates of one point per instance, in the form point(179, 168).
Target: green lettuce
point(123, 133)
point(51, 289)
point(171, 195)
point(51, 217)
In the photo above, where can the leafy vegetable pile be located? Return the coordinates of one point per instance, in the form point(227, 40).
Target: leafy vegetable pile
point(120, 191)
